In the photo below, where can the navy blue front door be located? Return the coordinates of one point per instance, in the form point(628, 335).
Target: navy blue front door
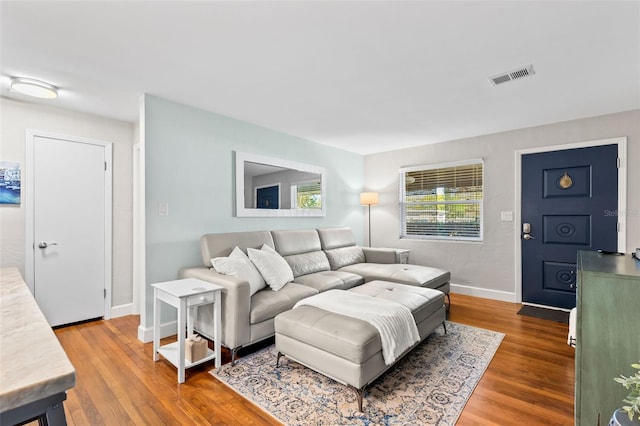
point(267, 198)
point(569, 201)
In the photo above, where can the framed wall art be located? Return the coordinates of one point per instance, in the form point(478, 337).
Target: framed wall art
point(9, 182)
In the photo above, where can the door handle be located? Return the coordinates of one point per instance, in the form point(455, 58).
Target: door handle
point(528, 237)
point(44, 245)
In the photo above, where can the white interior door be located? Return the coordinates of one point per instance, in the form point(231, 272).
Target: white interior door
point(70, 205)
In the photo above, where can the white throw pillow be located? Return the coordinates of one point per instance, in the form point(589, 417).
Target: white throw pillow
point(274, 269)
point(239, 265)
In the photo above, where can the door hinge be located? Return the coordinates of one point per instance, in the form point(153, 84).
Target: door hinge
point(618, 162)
point(105, 166)
point(105, 293)
point(618, 226)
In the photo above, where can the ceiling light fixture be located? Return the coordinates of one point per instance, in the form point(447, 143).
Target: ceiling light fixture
point(33, 87)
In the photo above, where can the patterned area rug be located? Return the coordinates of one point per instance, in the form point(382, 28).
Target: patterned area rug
point(429, 386)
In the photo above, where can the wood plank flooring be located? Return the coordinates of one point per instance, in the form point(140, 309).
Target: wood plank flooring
point(529, 381)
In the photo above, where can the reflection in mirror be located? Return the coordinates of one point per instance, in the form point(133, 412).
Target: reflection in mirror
point(273, 187)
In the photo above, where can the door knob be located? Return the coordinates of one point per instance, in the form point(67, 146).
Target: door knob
point(528, 237)
point(43, 245)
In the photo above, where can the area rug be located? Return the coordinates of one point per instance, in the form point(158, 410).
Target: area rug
point(429, 386)
point(546, 314)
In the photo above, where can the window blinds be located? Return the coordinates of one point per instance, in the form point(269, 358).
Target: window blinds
point(442, 201)
point(308, 195)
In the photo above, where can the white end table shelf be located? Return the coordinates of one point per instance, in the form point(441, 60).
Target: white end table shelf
point(185, 295)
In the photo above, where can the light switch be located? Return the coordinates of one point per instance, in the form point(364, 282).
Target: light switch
point(506, 216)
point(163, 209)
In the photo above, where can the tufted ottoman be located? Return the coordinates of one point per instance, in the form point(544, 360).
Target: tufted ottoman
point(347, 349)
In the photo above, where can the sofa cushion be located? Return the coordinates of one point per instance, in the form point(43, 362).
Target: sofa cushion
point(327, 280)
point(239, 265)
point(288, 242)
point(308, 263)
point(273, 268)
point(267, 303)
point(424, 276)
point(344, 256)
point(331, 238)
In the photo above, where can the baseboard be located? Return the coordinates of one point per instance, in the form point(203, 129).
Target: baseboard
point(122, 310)
point(145, 334)
point(503, 296)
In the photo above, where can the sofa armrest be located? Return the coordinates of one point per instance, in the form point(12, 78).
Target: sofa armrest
point(380, 255)
point(236, 304)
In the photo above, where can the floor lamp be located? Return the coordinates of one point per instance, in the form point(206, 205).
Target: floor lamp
point(369, 199)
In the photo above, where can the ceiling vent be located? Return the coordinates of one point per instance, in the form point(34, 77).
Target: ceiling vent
point(512, 75)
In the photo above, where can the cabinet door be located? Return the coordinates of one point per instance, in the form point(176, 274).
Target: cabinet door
point(608, 343)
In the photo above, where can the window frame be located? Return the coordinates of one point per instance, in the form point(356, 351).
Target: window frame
point(294, 192)
point(402, 204)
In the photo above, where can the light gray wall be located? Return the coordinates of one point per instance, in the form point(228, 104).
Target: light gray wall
point(488, 268)
point(189, 164)
point(16, 117)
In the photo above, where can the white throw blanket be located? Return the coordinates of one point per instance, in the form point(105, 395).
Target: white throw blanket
point(394, 322)
point(571, 338)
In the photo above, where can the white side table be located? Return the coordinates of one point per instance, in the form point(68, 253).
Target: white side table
point(185, 295)
point(402, 255)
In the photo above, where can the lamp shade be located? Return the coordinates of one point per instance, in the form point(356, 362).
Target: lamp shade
point(368, 198)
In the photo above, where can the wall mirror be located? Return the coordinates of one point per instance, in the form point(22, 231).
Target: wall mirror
point(271, 187)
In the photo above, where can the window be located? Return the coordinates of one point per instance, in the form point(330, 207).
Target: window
point(442, 201)
point(306, 195)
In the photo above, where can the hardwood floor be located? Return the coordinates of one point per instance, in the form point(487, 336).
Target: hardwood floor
point(529, 381)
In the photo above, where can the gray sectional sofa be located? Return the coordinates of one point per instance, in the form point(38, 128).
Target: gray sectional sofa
point(320, 259)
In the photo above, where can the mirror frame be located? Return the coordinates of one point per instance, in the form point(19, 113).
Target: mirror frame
point(242, 211)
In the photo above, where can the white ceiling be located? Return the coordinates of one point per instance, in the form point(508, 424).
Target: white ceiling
point(366, 76)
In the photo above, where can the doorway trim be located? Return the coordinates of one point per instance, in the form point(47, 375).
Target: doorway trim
point(622, 195)
point(29, 207)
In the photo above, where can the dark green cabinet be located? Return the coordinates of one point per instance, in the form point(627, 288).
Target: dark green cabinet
point(608, 333)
